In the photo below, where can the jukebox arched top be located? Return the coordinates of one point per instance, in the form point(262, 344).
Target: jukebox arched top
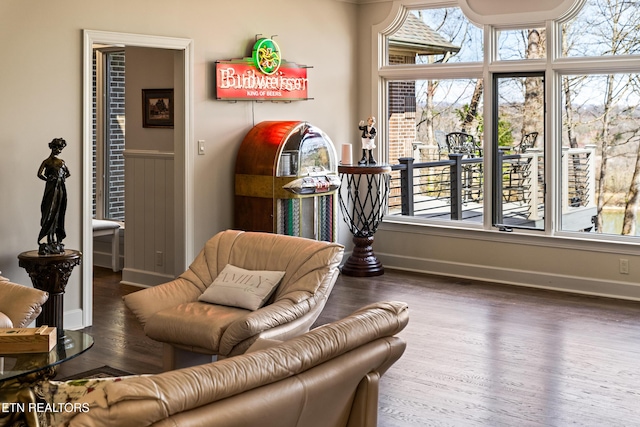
point(286, 148)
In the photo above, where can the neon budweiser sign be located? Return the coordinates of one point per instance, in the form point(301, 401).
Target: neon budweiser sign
point(263, 76)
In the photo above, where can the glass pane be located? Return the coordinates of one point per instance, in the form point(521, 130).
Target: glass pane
point(602, 28)
point(435, 36)
point(601, 150)
point(316, 155)
point(522, 44)
point(437, 124)
point(519, 126)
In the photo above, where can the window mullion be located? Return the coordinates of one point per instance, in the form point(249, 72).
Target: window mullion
point(441, 71)
point(100, 130)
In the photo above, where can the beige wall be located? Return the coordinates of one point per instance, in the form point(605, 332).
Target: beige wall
point(41, 83)
point(146, 69)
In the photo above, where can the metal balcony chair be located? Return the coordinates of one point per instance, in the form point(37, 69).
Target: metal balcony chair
point(463, 143)
point(517, 184)
point(528, 141)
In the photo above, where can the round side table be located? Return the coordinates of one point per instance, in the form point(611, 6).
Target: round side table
point(363, 200)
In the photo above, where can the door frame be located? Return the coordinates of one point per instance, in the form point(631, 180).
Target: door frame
point(184, 158)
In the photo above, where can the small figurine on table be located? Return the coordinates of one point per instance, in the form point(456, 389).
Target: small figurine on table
point(54, 172)
point(368, 140)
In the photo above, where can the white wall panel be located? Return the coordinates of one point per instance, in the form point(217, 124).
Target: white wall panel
point(149, 241)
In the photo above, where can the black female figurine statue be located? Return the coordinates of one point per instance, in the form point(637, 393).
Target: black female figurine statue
point(54, 201)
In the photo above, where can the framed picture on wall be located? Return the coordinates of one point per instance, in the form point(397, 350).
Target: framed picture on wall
point(157, 108)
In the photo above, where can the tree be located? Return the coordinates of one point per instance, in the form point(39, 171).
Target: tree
point(633, 200)
point(471, 111)
point(534, 86)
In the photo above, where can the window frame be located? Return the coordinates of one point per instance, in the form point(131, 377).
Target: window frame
point(554, 66)
point(496, 196)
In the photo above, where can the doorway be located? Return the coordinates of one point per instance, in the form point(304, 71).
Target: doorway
point(183, 129)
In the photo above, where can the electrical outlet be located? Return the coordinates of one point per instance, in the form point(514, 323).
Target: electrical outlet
point(159, 258)
point(624, 266)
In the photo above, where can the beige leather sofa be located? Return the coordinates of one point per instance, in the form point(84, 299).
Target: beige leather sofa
point(171, 313)
point(19, 305)
point(328, 377)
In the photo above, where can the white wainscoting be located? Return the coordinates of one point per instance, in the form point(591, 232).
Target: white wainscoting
point(528, 278)
point(149, 243)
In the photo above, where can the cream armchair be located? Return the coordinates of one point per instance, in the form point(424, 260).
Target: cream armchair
point(19, 305)
point(171, 313)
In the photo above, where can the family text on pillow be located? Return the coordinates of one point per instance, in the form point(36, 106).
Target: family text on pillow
point(237, 287)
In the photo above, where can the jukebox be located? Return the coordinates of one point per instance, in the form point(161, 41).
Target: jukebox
point(286, 181)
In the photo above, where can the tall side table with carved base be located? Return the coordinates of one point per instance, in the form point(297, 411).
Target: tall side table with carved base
point(364, 194)
point(50, 273)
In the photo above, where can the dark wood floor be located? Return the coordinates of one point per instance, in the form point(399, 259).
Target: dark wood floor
point(478, 354)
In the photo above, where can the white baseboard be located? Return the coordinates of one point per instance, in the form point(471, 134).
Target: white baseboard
point(143, 278)
point(534, 279)
point(103, 259)
point(73, 320)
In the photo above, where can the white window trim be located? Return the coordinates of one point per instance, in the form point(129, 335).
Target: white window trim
point(554, 67)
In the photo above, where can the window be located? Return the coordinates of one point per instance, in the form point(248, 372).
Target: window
point(602, 28)
point(427, 119)
point(522, 44)
point(109, 134)
point(426, 114)
point(435, 36)
point(446, 126)
point(518, 121)
point(600, 121)
point(428, 111)
point(599, 115)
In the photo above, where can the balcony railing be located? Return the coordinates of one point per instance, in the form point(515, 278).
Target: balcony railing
point(454, 188)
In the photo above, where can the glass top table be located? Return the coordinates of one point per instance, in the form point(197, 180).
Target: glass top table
point(70, 345)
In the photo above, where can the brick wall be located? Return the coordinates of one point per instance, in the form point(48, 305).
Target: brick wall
point(402, 113)
point(402, 135)
point(402, 121)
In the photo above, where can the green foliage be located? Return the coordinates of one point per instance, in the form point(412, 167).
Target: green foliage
point(463, 114)
point(505, 128)
point(505, 133)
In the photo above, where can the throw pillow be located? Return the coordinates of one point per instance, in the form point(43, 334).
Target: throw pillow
point(67, 398)
point(237, 287)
